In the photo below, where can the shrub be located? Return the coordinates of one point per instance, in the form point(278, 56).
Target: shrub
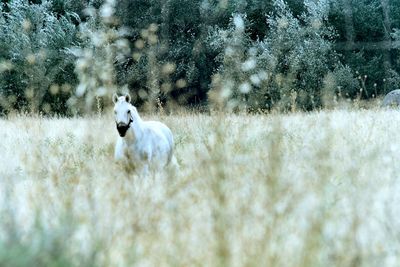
point(102, 47)
point(33, 43)
point(288, 66)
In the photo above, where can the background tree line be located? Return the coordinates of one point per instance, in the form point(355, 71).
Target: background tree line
point(251, 54)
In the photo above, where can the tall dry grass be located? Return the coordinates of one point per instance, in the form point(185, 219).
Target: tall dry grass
point(317, 189)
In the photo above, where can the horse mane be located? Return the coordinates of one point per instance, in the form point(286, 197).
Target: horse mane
point(134, 112)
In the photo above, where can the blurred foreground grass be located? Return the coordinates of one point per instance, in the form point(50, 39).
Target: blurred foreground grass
point(317, 189)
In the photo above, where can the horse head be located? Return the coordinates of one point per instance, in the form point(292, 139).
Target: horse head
point(124, 113)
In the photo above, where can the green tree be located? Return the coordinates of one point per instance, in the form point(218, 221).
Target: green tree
point(33, 44)
point(288, 67)
point(364, 29)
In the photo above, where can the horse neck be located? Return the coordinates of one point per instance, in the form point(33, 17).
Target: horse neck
point(136, 128)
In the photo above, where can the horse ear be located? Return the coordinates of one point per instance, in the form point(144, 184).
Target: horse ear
point(128, 98)
point(115, 98)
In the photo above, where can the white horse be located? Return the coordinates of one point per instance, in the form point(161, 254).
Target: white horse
point(146, 145)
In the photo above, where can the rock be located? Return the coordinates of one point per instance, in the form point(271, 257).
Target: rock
point(392, 99)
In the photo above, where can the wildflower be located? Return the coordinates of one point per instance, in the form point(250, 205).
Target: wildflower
point(245, 88)
point(239, 23)
point(249, 64)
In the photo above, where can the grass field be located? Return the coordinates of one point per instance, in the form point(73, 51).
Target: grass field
point(317, 189)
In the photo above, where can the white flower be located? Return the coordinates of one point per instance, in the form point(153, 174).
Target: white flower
point(255, 79)
point(239, 23)
point(101, 91)
point(229, 51)
point(245, 88)
point(227, 89)
point(80, 90)
point(106, 11)
point(262, 75)
point(249, 64)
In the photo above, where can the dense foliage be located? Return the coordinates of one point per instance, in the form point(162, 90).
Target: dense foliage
point(59, 55)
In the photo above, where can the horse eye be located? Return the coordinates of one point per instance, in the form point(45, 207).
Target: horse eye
point(129, 112)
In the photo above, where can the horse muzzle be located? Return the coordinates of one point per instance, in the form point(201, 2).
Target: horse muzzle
point(122, 128)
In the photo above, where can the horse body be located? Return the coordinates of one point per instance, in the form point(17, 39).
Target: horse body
point(146, 145)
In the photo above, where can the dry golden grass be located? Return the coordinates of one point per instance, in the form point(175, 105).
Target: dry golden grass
point(316, 189)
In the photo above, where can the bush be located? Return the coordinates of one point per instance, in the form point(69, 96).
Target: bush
point(102, 47)
point(287, 67)
point(364, 39)
point(33, 44)
point(168, 51)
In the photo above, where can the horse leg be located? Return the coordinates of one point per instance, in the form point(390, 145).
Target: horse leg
point(119, 150)
point(144, 172)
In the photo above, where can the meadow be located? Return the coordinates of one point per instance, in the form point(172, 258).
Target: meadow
point(301, 189)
